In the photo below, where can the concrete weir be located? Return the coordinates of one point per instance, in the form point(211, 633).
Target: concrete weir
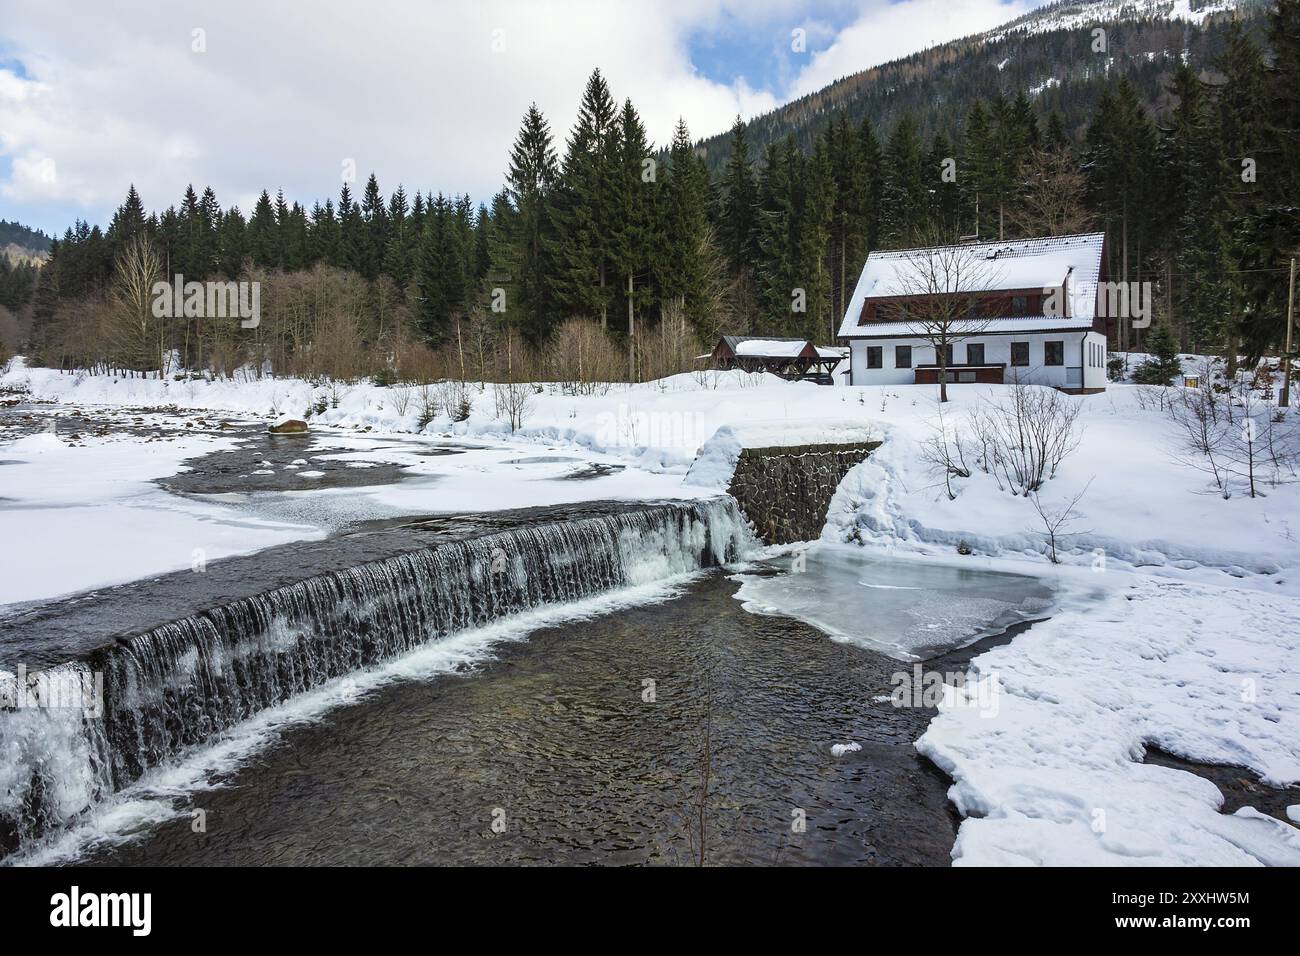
point(785, 490)
point(91, 699)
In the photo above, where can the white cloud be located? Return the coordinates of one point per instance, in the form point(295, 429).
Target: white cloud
point(284, 93)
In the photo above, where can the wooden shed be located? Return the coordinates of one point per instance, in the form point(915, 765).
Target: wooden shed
point(789, 358)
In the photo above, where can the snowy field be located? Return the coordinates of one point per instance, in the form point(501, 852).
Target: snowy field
point(1178, 616)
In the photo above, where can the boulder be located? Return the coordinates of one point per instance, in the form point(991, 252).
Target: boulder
point(288, 426)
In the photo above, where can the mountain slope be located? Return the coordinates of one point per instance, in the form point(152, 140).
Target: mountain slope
point(1048, 54)
point(20, 244)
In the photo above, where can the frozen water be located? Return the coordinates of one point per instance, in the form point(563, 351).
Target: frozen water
point(905, 608)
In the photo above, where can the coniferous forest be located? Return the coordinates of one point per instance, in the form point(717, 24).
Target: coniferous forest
point(626, 257)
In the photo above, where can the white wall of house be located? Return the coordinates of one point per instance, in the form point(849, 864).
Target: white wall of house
point(1084, 359)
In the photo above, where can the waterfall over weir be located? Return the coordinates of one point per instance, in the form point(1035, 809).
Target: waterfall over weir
point(179, 684)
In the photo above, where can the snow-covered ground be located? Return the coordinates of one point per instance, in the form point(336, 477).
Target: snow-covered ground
point(1179, 609)
point(1142, 507)
point(79, 516)
point(1052, 774)
point(87, 513)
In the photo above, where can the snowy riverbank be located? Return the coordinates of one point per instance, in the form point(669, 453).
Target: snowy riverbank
point(1179, 615)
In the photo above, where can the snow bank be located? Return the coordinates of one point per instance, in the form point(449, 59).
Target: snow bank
point(716, 462)
point(1053, 775)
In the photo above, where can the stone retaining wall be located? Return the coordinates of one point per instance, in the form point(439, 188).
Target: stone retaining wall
point(786, 490)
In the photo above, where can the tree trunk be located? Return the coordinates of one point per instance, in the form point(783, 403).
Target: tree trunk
point(942, 356)
point(1123, 319)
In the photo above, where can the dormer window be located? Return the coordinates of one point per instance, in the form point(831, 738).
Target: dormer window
point(1019, 305)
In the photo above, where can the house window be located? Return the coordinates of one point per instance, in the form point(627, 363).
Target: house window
point(1053, 353)
point(975, 354)
point(965, 376)
point(874, 353)
point(1020, 353)
point(902, 356)
point(1019, 305)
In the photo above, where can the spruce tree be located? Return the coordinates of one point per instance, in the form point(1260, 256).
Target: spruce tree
point(531, 178)
point(873, 163)
point(324, 233)
point(685, 227)
point(944, 194)
point(739, 194)
point(977, 171)
point(232, 243)
point(350, 253)
point(1163, 366)
point(851, 216)
point(1120, 157)
point(776, 232)
point(262, 242)
point(635, 238)
point(815, 223)
point(440, 273)
point(374, 215)
point(1272, 231)
point(398, 250)
point(1189, 214)
point(128, 222)
point(904, 198)
point(582, 208)
point(501, 286)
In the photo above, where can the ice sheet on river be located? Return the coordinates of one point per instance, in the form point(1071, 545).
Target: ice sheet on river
point(905, 608)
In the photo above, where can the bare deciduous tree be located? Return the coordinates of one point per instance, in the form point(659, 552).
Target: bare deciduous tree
point(1024, 438)
point(139, 337)
point(938, 289)
point(514, 402)
point(944, 451)
point(1052, 202)
point(1055, 520)
point(584, 359)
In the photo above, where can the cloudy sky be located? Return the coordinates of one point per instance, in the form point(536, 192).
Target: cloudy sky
point(246, 95)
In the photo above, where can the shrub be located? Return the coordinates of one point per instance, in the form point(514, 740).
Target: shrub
point(1163, 366)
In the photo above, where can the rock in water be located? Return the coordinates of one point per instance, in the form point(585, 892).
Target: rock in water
point(288, 426)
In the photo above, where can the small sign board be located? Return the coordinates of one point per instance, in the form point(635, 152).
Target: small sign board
point(1192, 381)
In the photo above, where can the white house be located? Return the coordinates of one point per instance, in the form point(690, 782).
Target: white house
point(1032, 314)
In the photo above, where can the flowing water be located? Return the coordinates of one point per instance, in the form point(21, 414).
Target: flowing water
point(173, 687)
point(367, 713)
point(556, 739)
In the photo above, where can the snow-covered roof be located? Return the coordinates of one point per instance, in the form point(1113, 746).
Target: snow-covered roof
point(988, 267)
point(771, 348)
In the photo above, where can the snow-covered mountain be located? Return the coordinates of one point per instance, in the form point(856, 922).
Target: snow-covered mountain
point(1072, 14)
point(1047, 54)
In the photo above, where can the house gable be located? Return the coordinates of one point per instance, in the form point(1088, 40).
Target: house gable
point(1017, 278)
